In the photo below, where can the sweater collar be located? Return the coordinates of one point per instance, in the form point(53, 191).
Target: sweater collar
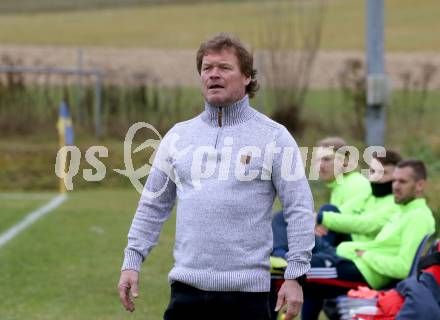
point(228, 115)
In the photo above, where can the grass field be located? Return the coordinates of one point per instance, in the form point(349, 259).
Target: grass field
point(30, 6)
point(409, 25)
point(16, 206)
point(66, 265)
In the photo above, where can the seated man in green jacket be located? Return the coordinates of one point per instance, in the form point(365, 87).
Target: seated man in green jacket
point(349, 192)
point(388, 256)
point(364, 223)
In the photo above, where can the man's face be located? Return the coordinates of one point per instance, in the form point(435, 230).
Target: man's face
point(222, 80)
point(330, 164)
point(381, 173)
point(327, 168)
point(405, 187)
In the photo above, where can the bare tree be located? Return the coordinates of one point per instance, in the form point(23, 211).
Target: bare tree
point(415, 91)
point(352, 82)
point(291, 37)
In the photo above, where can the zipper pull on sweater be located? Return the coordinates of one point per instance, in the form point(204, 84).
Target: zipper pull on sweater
point(220, 116)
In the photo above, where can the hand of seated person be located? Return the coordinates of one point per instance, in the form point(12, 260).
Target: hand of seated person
point(320, 230)
point(360, 253)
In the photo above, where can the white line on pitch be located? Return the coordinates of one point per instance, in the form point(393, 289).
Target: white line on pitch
point(31, 218)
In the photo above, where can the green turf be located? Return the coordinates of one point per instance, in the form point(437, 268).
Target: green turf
point(31, 6)
point(16, 206)
point(66, 265)
point(409, 25)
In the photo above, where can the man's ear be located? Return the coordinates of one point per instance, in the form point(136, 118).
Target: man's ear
point(420, 185)
point(247, 81)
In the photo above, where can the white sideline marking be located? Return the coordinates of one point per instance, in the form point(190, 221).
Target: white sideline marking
point(31, 218)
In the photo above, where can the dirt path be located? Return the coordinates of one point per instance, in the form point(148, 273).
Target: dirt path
point(177, 67)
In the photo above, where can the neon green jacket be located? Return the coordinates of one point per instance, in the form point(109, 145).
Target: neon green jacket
point(350, 194)
point(390, 255)
point(366, 223)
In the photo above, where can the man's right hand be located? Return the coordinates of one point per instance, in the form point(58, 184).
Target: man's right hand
point(320, 230)
point(128, 288)
point(290, 294)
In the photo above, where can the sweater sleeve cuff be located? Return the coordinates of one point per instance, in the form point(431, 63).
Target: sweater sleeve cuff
point(296, 269)
point(132, 260)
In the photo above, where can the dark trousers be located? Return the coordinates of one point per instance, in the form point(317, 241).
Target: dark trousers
point(279, 230)
point(187, 302)
point(315, 293)
point(332, 237)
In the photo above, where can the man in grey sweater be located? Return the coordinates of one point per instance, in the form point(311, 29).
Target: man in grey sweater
point(225, 168)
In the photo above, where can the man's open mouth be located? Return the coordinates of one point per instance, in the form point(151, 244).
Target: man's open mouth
point(215, 86)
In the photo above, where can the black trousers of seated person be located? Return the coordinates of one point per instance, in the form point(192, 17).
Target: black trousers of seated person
point(316, 293)
point(187, 302)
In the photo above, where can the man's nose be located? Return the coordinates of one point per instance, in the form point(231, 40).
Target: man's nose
point(214, 73)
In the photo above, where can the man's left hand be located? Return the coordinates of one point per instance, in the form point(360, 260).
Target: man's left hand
point(360, 253)
point(290, 294)
point(320, 230)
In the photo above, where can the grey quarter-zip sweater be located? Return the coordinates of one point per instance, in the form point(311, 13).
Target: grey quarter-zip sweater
point(225, 168)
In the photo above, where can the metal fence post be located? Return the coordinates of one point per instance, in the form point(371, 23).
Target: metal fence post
point(377, 82)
